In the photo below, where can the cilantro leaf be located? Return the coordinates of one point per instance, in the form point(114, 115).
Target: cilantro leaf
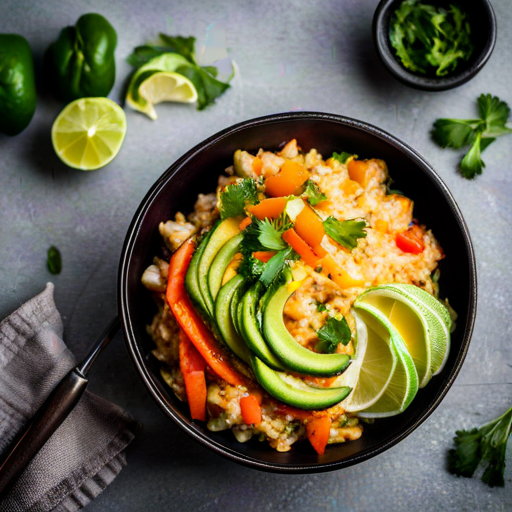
point(321, 307)
point(342, 157)
point(455, 133)
point(183, 46)
point(234, 198)
point(472, 163)
point(179, 44)
point(313, 194)
point(346, 232)
point(250, 268)
point(487, 443)
point(276, 264)
point(270, 237)
point(54, 261)
point(495, 113)
point(332, 334)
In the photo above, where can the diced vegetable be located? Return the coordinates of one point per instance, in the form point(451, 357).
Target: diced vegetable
point(268, 208)
point(309, 226)
point(291, 176)
point(251, 410)
point(191, 322)
point(318, 430)
point(245, 223)
point(359, 170)
point(257, 165)
point(264, 256)
point(192, 367)
point(339, 275)
point(411, 240)
point(301, 247)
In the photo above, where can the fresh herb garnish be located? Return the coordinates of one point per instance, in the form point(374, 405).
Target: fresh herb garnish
point(54, 261)
point(457, 133)
point(271, 233)
point(313, 194)
point(204, 78)
point(487, 443)
point(342, 157)
point(234, 198)
point(429, 38)
point(276, 264)
point(321, 307)
point(250, 268)
point(332, 334)
point(345, 232)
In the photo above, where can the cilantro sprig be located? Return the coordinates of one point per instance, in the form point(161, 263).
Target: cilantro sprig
point(313, 194)
point(478, 133)
point(235, 197)
point(487, 443)
point(345, 232)
point(332, 334)
point(204, 78)
point(342, 157)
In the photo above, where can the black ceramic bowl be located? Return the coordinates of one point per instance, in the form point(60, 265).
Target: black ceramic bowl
point(197, 171)
point(483, 26)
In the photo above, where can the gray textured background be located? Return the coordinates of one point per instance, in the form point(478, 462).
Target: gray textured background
point(294, 55)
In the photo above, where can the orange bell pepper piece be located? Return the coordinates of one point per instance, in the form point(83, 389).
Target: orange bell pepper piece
point(318, 430)
point(264, 256)
point(257, 165)
point(268, 208)
point(191, 322)
point(251, 410)
point(245, 223)
point(309, 227)
point(291, 176)
point(339, 275)
point(292, 238)
point(192, 366)
point(359, 171)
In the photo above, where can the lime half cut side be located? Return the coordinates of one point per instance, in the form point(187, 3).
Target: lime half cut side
point(89, 133)
point(402, 386)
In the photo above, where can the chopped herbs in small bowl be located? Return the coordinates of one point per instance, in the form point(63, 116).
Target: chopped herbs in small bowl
point(434, 45)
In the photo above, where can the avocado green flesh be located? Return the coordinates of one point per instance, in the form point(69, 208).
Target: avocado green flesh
point(250, 330)
point(220, 234)
point(221, 262)
point(191, 282)
point(310, 399)
point(224, 321)
point(294, 356)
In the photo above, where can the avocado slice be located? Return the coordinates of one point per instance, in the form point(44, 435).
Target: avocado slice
point(293, 392)
point(220, 234)
point(221, 262)
point(294, 356)
point(236, 301)
point(191, 282)
point(224, 320)
point(248, 324)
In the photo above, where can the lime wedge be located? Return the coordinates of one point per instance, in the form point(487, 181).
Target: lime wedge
point(435, 315)
point(158, 81)
point(387, 381)
point(88, 133)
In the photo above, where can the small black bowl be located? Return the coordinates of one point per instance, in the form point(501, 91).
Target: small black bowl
point(483, 25)
point(197, 171)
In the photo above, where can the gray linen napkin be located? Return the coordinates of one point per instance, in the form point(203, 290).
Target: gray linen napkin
point(85, 454)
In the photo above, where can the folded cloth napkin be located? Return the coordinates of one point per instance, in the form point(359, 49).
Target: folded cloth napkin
point(85, 453)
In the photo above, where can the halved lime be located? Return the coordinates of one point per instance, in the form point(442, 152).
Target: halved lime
point(435, 314)
point(157, 81)
point(387, 381)
point(88, 133)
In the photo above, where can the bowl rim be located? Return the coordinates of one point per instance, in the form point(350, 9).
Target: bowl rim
point(139, 358)
point(388, 59)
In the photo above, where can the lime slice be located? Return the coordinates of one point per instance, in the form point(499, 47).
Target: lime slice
point(387, 381)
point(157, 81)
point(435, 314)
point(88, 133)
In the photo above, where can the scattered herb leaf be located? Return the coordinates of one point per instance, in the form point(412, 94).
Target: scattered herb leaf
point(480, 133)
point(270, 236)
point(313, 194)
point(54, 261)
point(487, 443)
point(321, 307)
point(234, 198)
point(276, 264)
point(342, 157)
point(345, 232)
point(332, 334)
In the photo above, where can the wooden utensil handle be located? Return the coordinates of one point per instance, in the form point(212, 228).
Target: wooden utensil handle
point(46, 421)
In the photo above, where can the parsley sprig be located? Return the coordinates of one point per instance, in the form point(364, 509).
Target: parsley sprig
point(479, 133)
point(345, 232)
point(487, 443)
point(204, 78)
point(235, 197)
point(332, 334)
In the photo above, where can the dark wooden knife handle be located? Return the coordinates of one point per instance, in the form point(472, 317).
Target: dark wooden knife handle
point(46, 421)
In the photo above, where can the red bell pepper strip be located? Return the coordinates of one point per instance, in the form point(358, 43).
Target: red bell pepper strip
point(411, 240)
point(251, 410)
point(191, 322)
point(192, 367)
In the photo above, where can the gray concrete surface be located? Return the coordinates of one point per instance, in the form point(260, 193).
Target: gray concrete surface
point(291, 55)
